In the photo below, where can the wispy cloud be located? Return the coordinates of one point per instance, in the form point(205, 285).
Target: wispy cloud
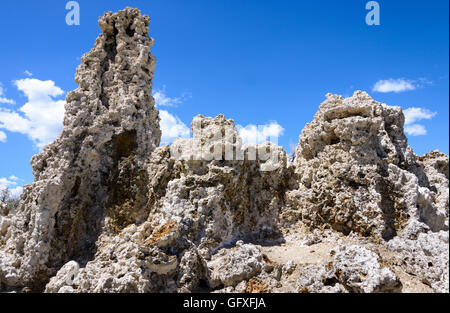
point(3, 99)
point(41, 117)
point(413, 115)
point(394, 85)
point(28, 73)
point(260, 133)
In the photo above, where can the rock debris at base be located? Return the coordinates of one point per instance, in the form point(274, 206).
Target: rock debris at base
point(110, 210)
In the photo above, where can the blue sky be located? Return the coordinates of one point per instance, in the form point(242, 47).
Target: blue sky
point(258, 62)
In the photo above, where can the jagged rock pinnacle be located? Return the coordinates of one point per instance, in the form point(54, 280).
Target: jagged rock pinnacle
point(110, 211)
point(95, 169)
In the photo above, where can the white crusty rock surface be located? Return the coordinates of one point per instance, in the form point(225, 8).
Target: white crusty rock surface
point(64, 278)
point(426, 257)
point(357, 173)
point(436, 167)
point(201, 206)
point(111, 210)
point(96, 167)
point(353, 269)
point(228, 267)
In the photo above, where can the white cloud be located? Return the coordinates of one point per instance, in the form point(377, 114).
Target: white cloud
point(4, 99)
point(172, 127)
point(28, 73)
point(41, 117)
point(14, 189)
point(260, 133)
point(413, 115)
point(416, 114)
point(2, 137)
point(415, 130)
point(394, 85)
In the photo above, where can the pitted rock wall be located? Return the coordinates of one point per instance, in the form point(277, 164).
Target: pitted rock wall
point(110, 129)
point(111, 211)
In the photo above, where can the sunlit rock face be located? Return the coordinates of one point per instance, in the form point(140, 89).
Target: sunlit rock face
point(215, 192)
point(435, 165)
point(96, 168)
point(112, 211)
point(357, 173)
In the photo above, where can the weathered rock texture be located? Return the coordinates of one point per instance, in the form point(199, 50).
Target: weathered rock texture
point(353, 269)
point(436, 167)
point(111, 211)
point(96, 168)
point(357, 173)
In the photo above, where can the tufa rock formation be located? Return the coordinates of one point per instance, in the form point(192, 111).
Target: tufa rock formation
point(357, 173)
point(111, 211)
point(96, 168)
point(435, 165)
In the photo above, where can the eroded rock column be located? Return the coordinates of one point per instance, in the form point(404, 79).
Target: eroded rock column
point(93, 178)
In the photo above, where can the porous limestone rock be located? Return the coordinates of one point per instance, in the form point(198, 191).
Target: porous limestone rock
point(125, 263)
point(357, 173)
point(228, 267)
point(198, 210)
point(93, 177)
point(64, 278)
point(218, 201)
point(436, 167)
point(212, 192)
point(426, 257)
point(354, 269)
point(111, 211)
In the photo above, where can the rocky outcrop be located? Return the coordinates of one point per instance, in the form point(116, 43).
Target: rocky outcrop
point(427, 257)
point(357, 173)
point(96, 169)
point(208, 192)
point(64, 279)
point(228, 267)
point(112, 211)
point(354, 269)
point(435, 165)
point(224, 199)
